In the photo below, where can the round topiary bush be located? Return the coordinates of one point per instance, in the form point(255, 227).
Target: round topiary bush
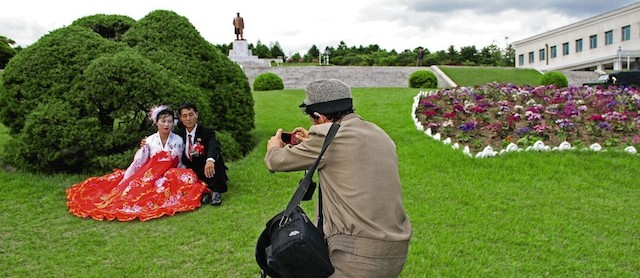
point(267, 81)
point(76, 100)
point(554, 77)
point(423, 79)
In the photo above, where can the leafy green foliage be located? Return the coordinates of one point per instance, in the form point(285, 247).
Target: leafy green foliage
point(231, 148)
point(109, 27)
point(47, 71)
point(423, 79)
point(224, 98)
point(261, 50)
point(55, 123)
point(268, 81)
point(6, 52)
point(554, 77)
point(83, 91)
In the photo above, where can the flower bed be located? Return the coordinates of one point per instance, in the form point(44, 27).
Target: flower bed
point(507, 117)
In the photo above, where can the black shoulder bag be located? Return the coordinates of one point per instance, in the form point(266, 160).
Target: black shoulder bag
point(290, 245)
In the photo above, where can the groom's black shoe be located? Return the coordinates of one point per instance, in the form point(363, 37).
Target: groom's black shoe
point(216, 199)
point(206, 198)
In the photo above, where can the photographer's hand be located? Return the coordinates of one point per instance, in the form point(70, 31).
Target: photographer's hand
point(276, 141)
point(301, 134)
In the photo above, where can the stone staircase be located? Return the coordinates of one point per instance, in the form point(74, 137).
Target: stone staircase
point(296, 77)
point(356, 77)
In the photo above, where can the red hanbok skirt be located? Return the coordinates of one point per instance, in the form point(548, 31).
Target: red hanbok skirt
point(156, 189)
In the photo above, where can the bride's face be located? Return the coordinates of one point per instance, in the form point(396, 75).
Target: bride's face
point(165, 124)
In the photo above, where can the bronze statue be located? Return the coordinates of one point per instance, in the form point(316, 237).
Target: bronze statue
point(238, 24)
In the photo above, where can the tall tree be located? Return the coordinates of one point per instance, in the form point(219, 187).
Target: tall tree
point(276, 50)
point(261, 50)
point(491, 56)
point(6, 51)
point(510, 56)
point(469, 55)
point(453, 55)
point(312, 53)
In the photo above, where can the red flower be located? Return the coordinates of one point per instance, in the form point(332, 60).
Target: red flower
point(451, 115)
point(429, 113)
point(477, 109)
point(197, 149)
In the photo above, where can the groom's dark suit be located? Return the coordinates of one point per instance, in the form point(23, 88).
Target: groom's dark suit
point(207, 138)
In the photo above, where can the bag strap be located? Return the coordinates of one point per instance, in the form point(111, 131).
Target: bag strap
point(306, 181)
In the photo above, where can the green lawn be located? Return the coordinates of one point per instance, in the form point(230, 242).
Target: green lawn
point(571, 214)
point(470, 76)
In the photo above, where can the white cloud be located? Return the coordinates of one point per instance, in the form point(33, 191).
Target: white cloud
point(297, 25)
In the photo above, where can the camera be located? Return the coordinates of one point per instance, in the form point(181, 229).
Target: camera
point(289, 138)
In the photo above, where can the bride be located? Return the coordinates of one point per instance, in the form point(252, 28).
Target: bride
point(151, 186)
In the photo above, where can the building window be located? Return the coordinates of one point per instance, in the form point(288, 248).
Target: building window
point(608, 37)
point(531, 59)
point(541, 54)
point(626, 33)
point(593, 41)
point(554, 51)
point(521, 59)
point(579, 45)
point(565, 48)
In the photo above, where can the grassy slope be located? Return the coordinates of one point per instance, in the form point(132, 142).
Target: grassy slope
point(525, 214)
point(470, 76)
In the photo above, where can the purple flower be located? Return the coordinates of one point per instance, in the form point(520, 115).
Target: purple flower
point(564, 123)
point(523, 131)
point(427, 104)
point(533, 116)
point(604, 125)
point(468, 126)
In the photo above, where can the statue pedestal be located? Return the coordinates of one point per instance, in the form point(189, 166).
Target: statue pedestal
point(241, 54)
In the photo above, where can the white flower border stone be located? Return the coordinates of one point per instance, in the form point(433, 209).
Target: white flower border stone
point(488, 150)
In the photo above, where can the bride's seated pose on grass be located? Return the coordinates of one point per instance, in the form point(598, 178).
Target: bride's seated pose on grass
point(155, 184)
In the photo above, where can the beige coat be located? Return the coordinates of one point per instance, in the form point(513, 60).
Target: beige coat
point(361, 190)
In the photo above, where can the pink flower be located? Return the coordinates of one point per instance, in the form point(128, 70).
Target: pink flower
point(540, 128)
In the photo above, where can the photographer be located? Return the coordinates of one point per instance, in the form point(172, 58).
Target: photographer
point(365, 224)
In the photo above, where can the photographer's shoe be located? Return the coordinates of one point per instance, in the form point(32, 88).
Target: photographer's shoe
point(216, 199)
point(206, 199)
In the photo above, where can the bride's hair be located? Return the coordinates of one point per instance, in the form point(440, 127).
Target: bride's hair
point(158, 111)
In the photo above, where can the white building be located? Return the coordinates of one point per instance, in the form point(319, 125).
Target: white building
point(609, 41)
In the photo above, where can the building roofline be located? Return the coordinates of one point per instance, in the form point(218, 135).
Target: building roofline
point(581, 23)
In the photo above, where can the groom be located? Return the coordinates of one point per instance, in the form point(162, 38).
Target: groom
point(202, 153)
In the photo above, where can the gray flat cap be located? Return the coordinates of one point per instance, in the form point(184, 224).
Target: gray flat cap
point(328, 96)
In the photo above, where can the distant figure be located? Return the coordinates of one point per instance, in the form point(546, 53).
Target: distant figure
point(420, 56)
point(238, 24)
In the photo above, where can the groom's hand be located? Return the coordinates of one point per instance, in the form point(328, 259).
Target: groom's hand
point(209, 169)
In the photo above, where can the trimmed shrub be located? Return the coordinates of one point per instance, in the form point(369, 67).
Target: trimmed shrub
point(46, 71)
point(109, 27)
point(230, 148)
point(423, 79)
point(554, 77)
point(267, 81)
point(76, 100)
point(224, 100)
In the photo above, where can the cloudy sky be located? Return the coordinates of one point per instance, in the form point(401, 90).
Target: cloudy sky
point(298, 24)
